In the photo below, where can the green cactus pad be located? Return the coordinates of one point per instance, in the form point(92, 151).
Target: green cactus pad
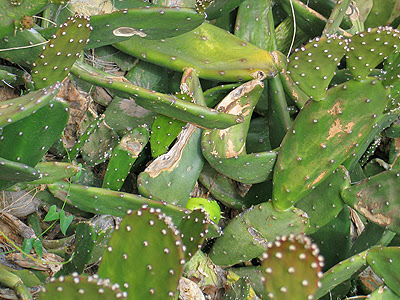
point(252, 230)
point(324, 135)
point(62, 51)
point(384, 262)
point(342, 272)
point(18, 108)
point(224, 56)
point(80, 288)
point(292, 268)
point(322, 212)
point(225, 150)
point(376, 198)
point(39, 131)
point(152, 268)
point(164, 131)
point(124, 156)
point(229, 192)
point(98, 145)
point(106, 202)
point(313, 66)
point(193, 230)
point(369, 48)
point(383, 293)
point(146, 22)
point(11, 172)
point(161, 103)
point(177, 170)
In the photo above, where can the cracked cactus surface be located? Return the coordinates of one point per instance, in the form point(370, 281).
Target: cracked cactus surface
point(225, 149)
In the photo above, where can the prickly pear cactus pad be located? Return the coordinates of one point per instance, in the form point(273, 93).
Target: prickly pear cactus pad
point(144, 256)
point(292, 268)
point(324, 135)
point(305, 64)
point(61, 52)
point(253, 229)
point(377, 198)
point(39, 131)
point(81, 287)
point(383, 261)
point(176, 170)
point(368, 49)
point(225, 57)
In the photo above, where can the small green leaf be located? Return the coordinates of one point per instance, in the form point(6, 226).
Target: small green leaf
point(52, 215)
point(27, 246)
point(37, 244)
point(64, 222)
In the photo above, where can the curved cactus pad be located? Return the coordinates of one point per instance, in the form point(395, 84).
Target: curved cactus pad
point(368, 49)
point(292, 268)
point(313, 66)
point(377, 199)
point(106, 202)
point(80, 288)
point(144, 256)
point(177, 170)
point(342, 272)
point(225, 149)
point(224, 56)
point(324, 135)
point(252, 230)
point(18, 108)
point(62, 51)
point(384, 261)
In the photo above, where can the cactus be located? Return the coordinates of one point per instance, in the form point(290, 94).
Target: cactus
point(72, 35)
point(292, 268)
point(158, 259)
point(249, 230)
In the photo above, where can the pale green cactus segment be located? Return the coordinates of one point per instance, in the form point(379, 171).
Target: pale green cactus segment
point(369, 48)
point(11, 14)
point(336, 17)
point(342, 272)
point(144, 23)
point(383, 261)
point(177, 170)
point(165, 104)
point(18, 108)
point(152, 268)
point(313, 66)
point(124, 156)
point(225, 57)
point(376, 199)
point(39, 131)
point(292, 268)
point(23, 48)
point(322, 212)
point(106, 202)
point(62, 51)
point(80, 288)
point(253, 229)
point(225, 149)
point(323, 136)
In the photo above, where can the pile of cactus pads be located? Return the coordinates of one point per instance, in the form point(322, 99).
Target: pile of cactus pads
point(200, 149)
